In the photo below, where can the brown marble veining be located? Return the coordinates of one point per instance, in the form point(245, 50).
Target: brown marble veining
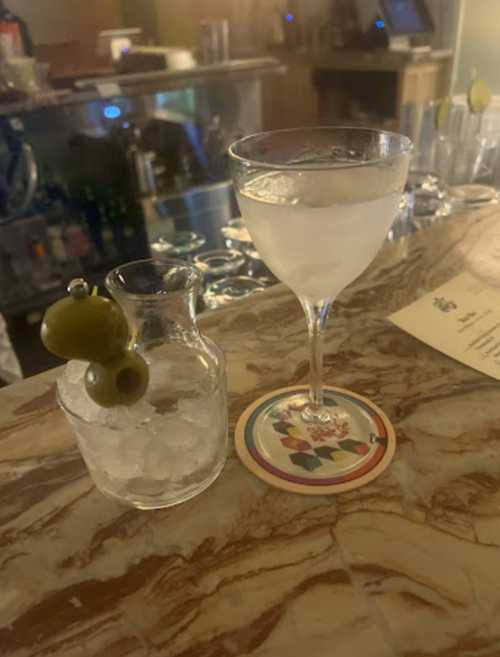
point(406, 566)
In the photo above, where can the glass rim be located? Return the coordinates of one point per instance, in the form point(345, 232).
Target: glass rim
point(182, 238)
point(237, 279)
point(68, 411)
point(111, 286)
point(235, 254)
point(407, 147)
point(64, 407)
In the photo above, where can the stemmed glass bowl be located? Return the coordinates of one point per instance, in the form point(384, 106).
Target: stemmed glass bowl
point(318, 203)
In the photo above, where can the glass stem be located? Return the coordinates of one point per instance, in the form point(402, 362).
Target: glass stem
point(316, 316)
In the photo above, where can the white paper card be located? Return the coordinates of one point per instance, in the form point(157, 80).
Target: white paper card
point(461, 319)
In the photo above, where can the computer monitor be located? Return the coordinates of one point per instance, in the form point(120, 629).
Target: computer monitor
point(406, 17)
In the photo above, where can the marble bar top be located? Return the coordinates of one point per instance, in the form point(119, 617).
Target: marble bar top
point(409, 565)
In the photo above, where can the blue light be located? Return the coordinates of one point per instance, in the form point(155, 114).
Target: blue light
point(379, 24)
point(112, 112)
point(290, 17)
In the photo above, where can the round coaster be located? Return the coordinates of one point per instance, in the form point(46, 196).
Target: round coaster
point(280, 448)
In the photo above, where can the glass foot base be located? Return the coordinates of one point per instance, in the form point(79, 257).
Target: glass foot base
point(319, 415)
point(315, 458)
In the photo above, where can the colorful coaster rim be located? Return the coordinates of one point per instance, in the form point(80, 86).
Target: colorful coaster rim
point(266, 471)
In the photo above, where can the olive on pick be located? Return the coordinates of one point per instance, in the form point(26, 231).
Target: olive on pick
point(84, 327)
point(120, 381)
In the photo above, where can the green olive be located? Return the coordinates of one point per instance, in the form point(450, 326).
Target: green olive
point(478, 96)
point(85, 327)
point(121, 381)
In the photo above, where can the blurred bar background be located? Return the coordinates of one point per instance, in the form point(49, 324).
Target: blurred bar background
point(116, 115)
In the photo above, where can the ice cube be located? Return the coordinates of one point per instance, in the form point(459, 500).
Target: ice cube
point(197, 410)
point(158, 459)
point(74, 372)
point(125, 417)
point(134, 442)
point(180, 448)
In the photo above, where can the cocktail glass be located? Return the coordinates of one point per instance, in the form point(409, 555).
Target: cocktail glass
point(318, 203)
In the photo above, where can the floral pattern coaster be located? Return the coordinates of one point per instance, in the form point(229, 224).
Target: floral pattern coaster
point(352, 449)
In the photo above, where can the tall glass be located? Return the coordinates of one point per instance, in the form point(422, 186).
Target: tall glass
point(318, 203)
